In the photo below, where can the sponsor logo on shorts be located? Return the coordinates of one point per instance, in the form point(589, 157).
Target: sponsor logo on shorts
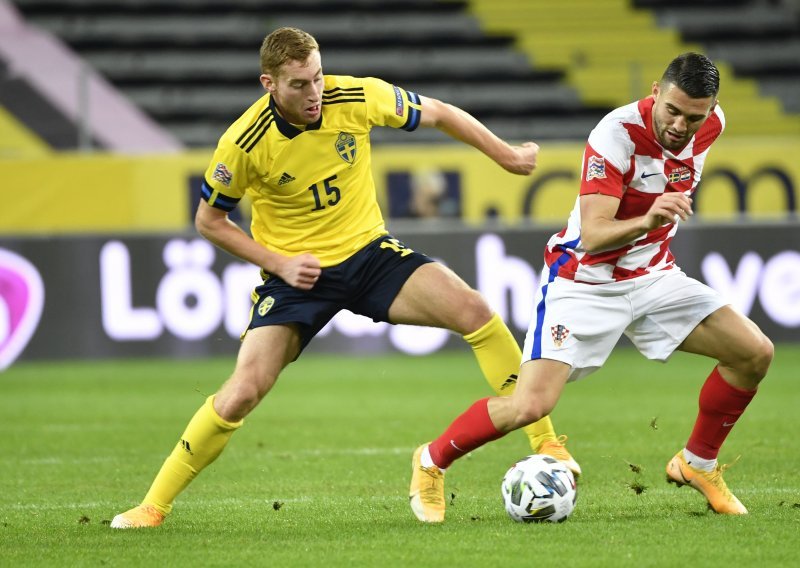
point(560, 334)
point(222, 174)
point(596, 168)
point(265, 305)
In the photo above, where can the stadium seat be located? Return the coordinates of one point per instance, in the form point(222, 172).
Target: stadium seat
point(193, 65)
point(612, 52)
point(758, 39)
point(540, 70)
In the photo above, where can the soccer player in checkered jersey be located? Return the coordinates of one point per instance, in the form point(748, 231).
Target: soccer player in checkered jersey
point(610, 271)
point(302, 155)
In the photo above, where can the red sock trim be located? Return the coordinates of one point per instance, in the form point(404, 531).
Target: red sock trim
point(469, 431)
point(721, 405)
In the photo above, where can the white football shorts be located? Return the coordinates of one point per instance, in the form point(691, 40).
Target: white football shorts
point(580, 324)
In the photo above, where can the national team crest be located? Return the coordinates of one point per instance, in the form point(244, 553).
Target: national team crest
point(595, 168)
point(559, 334)
point(222, 174)
point(265, 305)
point(346, 147)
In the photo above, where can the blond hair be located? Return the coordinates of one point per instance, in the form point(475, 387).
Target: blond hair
point(284, 45)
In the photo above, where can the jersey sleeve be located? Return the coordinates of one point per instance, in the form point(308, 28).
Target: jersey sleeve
point(228, 176)
point(389, 105)
point(606, 160)
point(599, 175)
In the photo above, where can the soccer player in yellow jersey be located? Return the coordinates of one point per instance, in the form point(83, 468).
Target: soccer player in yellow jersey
point(301, 154)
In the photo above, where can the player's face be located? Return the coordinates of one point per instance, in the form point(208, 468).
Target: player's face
point(297, 89)
point(677, 116)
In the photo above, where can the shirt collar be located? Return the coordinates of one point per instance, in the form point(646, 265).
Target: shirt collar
point(287, 129)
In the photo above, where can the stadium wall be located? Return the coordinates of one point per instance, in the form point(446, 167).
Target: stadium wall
point(174, 295)
point(90, 193)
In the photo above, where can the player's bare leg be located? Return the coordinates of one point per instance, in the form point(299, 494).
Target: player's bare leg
point(209, 431)
point(435, 296)
point(744, 355)
point(540, 385)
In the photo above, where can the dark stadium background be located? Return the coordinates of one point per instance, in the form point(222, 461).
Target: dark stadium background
point(110, 109)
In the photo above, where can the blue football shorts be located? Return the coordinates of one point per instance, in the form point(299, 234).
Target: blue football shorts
point(366, 283)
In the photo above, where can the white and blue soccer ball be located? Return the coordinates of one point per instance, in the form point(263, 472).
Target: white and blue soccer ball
point(539, 489)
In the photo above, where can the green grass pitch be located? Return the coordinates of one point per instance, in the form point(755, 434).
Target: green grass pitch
point(319, 473)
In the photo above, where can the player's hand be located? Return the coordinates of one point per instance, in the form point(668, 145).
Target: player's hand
point(668, 208)
point(523, 159)
point(301, 271)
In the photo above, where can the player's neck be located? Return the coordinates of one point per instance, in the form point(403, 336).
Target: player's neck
point(298, 126)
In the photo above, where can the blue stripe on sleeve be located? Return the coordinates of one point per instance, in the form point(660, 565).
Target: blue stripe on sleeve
point(221, 201)
point(413, 119)
point(413, 114)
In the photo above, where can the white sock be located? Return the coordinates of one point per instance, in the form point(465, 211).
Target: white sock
point(426, 460)
point(699, 463)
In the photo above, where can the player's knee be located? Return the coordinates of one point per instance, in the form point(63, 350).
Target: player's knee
point(762, 354)
point(474, 311)
point(528, 412)
point(248, 398)
point(752, 363)
point(242, 394)
point(236, 403)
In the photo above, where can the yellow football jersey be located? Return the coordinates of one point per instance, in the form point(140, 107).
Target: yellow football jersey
point(311, 190)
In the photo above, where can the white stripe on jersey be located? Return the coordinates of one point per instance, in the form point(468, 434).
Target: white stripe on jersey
point(623, 158)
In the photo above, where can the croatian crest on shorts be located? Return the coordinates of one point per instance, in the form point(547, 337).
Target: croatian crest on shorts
point(346, 147)
point(560, 334)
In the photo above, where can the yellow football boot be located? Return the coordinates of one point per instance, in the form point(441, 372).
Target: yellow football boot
point(557, 449)
point(427, 490)
point(141, 516)
point(709, 483)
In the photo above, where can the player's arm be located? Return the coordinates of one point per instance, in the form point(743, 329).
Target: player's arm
point(601, 231)
point(301, 271)
point(462, 126)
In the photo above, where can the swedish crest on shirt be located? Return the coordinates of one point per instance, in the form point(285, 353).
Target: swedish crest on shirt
point(346, 147)
point(559, 334)
point(595, 168)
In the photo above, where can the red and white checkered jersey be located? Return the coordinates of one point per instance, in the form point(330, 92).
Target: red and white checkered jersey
point(623, 158)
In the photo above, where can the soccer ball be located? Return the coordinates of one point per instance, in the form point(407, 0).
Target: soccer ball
point(539, 489)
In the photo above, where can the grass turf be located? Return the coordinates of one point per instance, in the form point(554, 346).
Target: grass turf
point(319, 472)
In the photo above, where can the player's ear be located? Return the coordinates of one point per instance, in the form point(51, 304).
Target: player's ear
point(656, 89)
point(268, 82)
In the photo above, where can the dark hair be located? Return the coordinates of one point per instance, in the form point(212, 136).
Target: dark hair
point(694, 74)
